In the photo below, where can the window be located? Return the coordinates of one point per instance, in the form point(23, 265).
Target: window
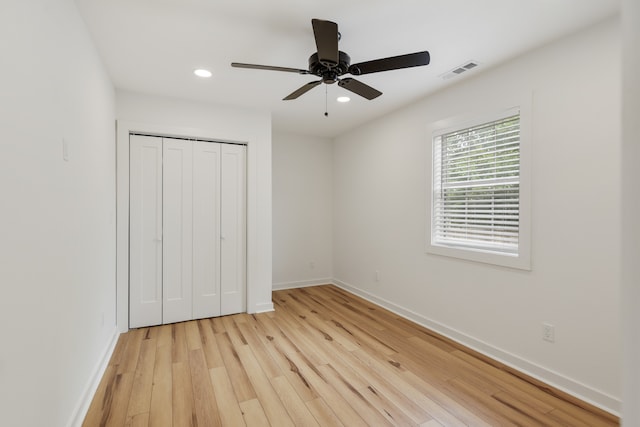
point(476, 191)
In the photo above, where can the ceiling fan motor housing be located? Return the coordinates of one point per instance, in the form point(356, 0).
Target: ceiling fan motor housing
point(328, 72)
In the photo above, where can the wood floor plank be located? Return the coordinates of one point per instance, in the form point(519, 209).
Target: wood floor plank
point(545, 394)
point(182, 395)
point(228, 407)
point(140, 400)
point(217, 326)
point(235, 336)
point(203, 395)
point(102, 399)
point(192, 333)
point(313, 323)
point(241, 318)
point(180, 351)
point(139, 420)
point(279, 354)
point(444, 405)
point(284, 317)
point(522, 407)
point(209, 345)
point(271, 403)
point(357, 401)
point(345, 327)
point(298, 411)
point(150, 333)
point(431, 423)
point(343, 361)
point(161, 410)
point(268, 364)
point(254, 414)
point(330, 331)
point(566, 419)
point(117, 414)
point(338, 303)
point(342, 408)
point(377, 316)
point(588, 418)
point(323, 357)
point(323, 414)
point(119, 349)
point(488, 408)
point(241, 385)
point(164, 335)
point(389, 385)
point(388, 409)
point(130, 354)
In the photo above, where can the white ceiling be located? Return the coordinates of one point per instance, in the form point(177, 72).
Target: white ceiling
point(152, 46)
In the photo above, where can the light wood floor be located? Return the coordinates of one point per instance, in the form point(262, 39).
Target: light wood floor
point(324, 357)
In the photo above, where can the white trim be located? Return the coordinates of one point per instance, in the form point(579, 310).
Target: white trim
point(302, 284)
point(81, 409)
point(264, 307)
point(456, 123)
point(581, 391)
point(523, 259)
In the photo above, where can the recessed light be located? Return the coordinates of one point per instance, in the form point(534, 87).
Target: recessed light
point(201, 72)
point(343, 99)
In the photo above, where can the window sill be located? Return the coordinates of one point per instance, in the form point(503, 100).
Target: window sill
point(519, 261)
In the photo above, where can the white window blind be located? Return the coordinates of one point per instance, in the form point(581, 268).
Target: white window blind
point(476, 187)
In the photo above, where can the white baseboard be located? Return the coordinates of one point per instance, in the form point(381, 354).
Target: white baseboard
point(301, 284)
point(583, 392)
point(77, 417)
point(263, 307)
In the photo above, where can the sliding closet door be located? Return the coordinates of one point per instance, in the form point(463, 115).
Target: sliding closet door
point(206, 229)
point(177, 257)
point(145, 231)
point(233, 229)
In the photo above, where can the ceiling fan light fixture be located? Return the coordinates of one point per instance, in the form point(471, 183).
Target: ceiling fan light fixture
point(343, 99)
point(329, 64)
point(201, 72)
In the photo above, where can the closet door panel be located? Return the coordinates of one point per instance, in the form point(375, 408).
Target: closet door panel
point(145, 231)
point(206, 229)
point(177, 255)
point(233, 229)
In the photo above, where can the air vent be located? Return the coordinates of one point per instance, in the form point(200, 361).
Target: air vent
point(460, 69)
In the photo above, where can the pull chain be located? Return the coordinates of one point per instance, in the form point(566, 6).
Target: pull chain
point(326, 90)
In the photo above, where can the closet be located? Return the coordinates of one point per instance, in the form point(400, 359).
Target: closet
point(187, 230)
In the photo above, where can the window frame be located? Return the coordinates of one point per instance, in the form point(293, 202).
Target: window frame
point(521, 259)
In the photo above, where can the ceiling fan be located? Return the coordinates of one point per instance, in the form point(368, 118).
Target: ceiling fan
point(330, 64)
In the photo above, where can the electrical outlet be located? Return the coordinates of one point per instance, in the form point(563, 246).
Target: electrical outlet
point(312, 264)
point(376, 276)
point(548, 332)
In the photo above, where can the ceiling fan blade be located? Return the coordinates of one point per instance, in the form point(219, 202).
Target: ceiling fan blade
point(392, 63)
point(268, 67)
point(359, 88)
point(326, 35)
point(304, 89)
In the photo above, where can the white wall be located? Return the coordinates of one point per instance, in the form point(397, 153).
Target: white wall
point(57, 220)
point(631, 210)
point(302, 210)
point(164, 116)
point(380, 219)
